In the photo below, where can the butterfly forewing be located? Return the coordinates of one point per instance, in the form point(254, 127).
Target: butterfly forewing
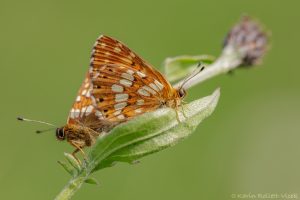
point(119, 85)
point(83, 106)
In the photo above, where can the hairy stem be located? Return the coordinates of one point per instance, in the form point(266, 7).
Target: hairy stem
point(229, 60)
point(73, 185)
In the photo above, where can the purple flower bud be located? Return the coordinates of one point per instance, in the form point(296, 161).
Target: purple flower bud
point(249, 40)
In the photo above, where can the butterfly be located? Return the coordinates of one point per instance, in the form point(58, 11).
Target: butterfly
point(118, 86)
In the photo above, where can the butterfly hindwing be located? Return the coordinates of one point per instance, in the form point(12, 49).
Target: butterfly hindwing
point(120, 93)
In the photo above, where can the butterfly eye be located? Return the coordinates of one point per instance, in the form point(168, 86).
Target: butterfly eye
point(60, 134)
point(182, 93)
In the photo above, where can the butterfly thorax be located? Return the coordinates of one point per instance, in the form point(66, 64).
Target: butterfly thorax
point(173, 101)
point(77, 135)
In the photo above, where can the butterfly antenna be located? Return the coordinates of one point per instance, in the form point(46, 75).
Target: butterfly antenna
point(45, 130)
point(199, 69)
point(37, 121)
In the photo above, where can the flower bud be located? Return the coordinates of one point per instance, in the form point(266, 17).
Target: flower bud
point(248, 39)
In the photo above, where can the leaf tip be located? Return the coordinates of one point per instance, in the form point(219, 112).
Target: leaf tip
point(92, 181)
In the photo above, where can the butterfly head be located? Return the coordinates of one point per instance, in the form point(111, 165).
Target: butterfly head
point(68, 132)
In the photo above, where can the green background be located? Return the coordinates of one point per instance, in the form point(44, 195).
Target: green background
point(249, 145)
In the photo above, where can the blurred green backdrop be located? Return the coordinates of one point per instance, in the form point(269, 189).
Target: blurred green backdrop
point(249, 145)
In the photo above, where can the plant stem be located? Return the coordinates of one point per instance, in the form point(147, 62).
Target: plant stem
point(73, 185)
point(229, 60)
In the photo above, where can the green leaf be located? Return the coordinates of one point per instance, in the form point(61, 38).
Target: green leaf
point(149, 133)
point(177, 68)
point(67, 167)
point(70, 158)
point(92, 181)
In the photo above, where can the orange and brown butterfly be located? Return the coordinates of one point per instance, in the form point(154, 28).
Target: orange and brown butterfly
point(118, 86)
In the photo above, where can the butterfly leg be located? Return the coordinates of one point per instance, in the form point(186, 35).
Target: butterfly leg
point(78, 148)
point(177, 112)
point(183, 112)
point(73, 154)
point(177, 115)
